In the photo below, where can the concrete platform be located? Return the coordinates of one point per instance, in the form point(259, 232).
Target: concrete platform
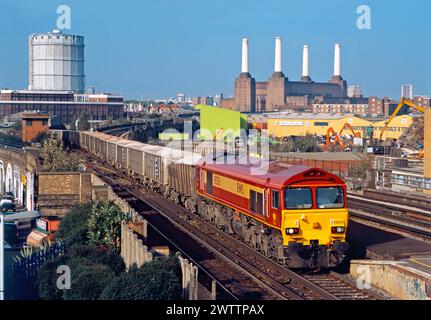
point(397, 265)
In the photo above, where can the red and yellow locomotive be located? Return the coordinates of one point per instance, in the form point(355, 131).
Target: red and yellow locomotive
point(292, 213)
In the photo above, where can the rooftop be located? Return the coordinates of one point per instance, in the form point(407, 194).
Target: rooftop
point(325, 116)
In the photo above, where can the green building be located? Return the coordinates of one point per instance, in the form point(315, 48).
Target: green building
point(218, 122)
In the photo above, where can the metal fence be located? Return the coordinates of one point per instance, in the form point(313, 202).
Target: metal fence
point(24, 272)
point(339, 168)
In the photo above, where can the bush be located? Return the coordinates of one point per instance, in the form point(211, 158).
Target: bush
point(98, 255)
point(46, 282)
point(104, 225)
point(88, 281)
point(73, 227)
point(157, 280)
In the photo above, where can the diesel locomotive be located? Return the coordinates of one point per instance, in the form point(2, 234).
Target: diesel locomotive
point(294, 214)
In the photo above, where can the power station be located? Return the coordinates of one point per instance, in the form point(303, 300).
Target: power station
point(279, 92)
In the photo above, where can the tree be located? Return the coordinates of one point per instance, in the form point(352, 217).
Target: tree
point(156, 280)
point(359, 172)
point(73, 228)
point(104, 225)
point(82, 121)
point(308, 143)
point(56, 158)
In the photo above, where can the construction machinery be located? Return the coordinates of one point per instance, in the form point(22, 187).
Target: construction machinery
point(337, 138)
point(403, 101)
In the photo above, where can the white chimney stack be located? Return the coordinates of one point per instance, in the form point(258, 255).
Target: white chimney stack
point(337, 60)
point(244, 64)
point(305, 70)
point(277, 64)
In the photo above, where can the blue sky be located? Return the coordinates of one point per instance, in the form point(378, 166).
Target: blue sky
point(158, 48)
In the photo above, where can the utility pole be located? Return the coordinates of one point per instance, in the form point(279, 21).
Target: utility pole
point(2, 272)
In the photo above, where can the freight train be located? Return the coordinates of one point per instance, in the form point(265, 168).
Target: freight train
point(294, 214)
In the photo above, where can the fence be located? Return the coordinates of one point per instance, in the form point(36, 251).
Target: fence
point(22, 284)
point(339, 168)
point(133, 250)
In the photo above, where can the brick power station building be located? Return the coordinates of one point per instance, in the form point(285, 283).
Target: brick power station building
point(281, 93)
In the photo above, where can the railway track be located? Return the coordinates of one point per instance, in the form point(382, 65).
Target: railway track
point(274, 279)
point(419, 201)
point(409, 221)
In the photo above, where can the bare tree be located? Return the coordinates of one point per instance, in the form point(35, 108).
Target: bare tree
point(56, 158)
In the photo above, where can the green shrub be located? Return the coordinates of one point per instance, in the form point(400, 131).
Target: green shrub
point(104, 225)
point(88, 281)
point(73, 227)
point(46, 282)
point(157, 280)
point(98, 255)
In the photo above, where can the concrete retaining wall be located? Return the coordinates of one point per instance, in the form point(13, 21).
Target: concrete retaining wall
point(396, 278)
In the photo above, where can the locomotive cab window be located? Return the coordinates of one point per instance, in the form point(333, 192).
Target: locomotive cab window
point(256, 202)
point(275, 199)
point(209, 182)
point(298, 198)
point(330, 197)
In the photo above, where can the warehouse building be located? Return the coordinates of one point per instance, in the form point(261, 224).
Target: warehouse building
point(67, 105)
point(300, 124)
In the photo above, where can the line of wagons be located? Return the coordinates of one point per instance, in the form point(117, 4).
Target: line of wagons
point(172, 172)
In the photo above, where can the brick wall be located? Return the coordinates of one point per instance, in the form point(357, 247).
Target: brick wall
point(58, 192)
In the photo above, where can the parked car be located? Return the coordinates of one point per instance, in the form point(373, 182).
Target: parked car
point(8, 207)
point(6, 200)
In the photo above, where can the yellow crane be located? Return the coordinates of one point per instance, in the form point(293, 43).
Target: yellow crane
point(403, 101)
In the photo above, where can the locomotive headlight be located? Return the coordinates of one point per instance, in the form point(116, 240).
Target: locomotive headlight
point(337, 229)
point(290, 231)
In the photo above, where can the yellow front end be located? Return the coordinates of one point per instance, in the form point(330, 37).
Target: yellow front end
point(315, 226)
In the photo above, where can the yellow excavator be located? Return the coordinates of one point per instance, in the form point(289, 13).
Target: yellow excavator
point(337, 136)
point(409, 103)
point(403, 101)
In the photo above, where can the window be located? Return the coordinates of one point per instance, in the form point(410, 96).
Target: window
point(28, 123)
point(321, 124)
point(330, 197)
point(298, 198)
point(275, 199)
point(256, 202)
point(209, 182)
